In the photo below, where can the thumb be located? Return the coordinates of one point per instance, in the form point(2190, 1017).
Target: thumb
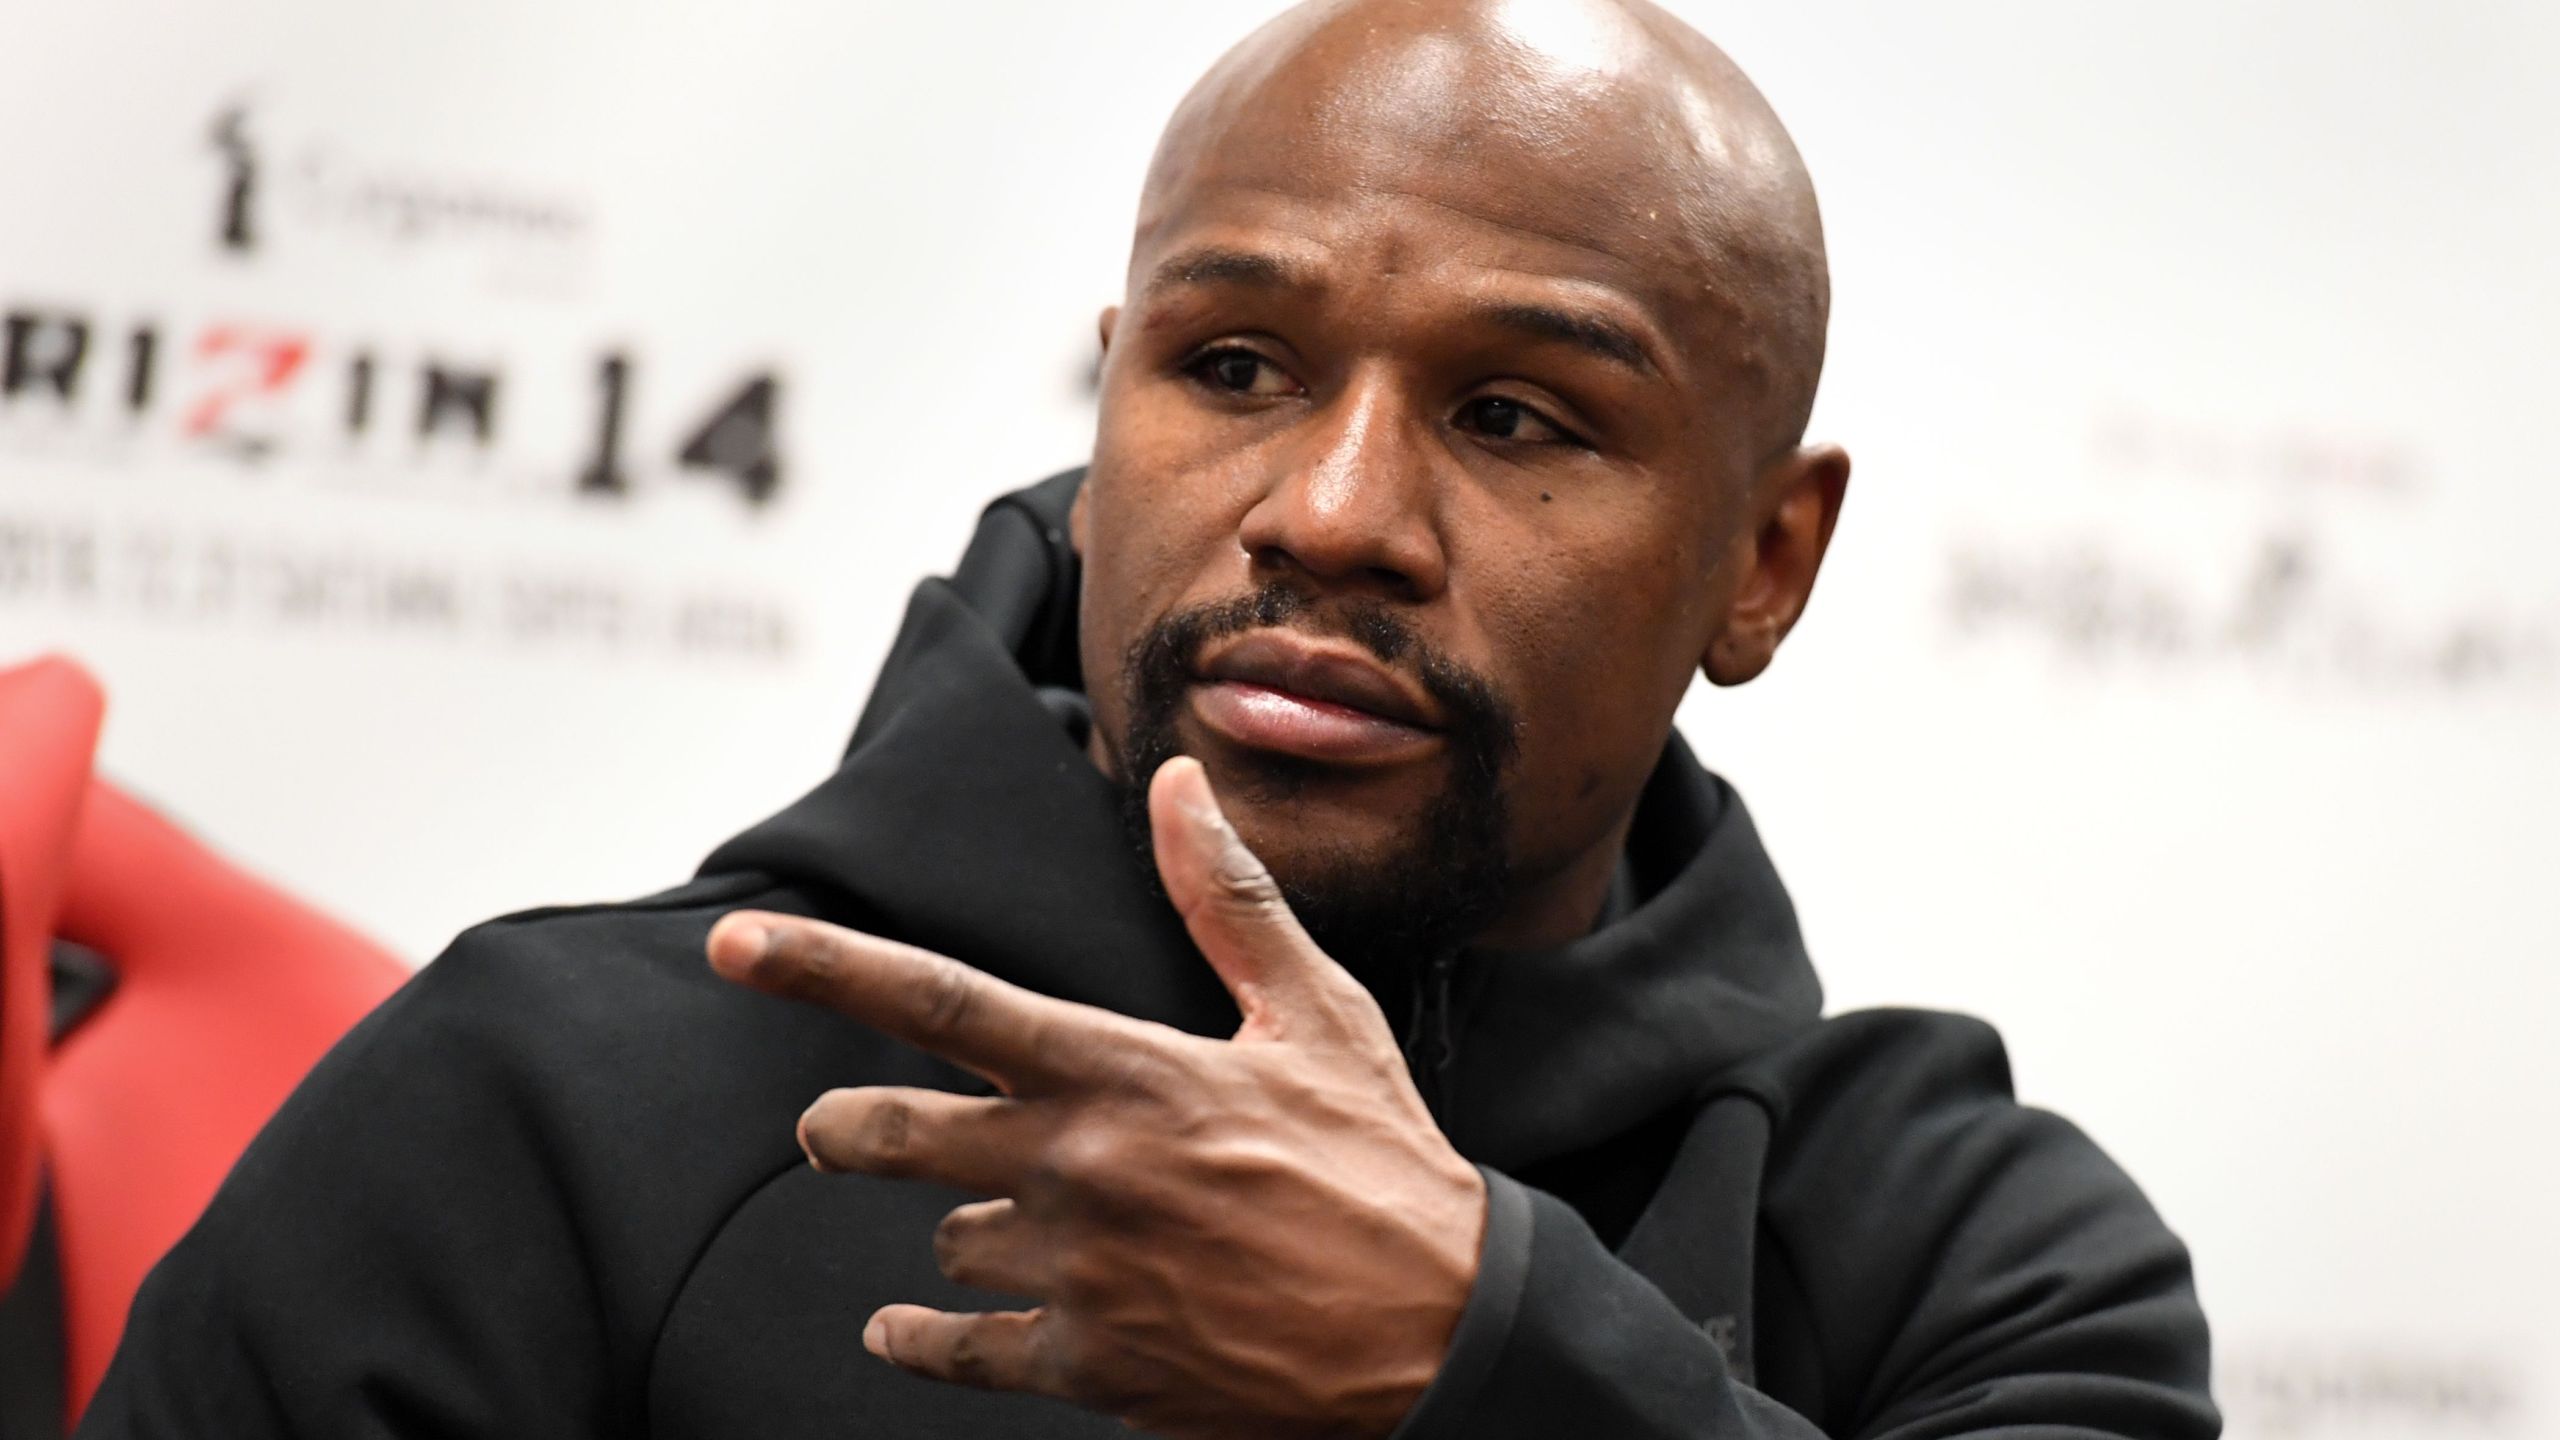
point(1282, 983)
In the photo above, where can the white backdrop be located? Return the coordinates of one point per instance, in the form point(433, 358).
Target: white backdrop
point(2181, 696)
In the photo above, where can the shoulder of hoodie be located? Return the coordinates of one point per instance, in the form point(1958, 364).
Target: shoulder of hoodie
point(616, 1004)
point(624, 986)
point(1872, 1091)
point(590, 1049)
point(1906, 1184)
point(543, 1130)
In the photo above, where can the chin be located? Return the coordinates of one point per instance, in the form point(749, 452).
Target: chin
point(1297, 816)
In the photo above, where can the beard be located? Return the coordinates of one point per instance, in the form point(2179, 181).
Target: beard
point(1382, 916)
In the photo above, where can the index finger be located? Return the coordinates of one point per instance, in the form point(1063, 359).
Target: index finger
point(1024, 1042)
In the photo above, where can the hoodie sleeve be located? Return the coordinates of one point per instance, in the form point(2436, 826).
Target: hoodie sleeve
point(471, 1216)
point(391, 1258)
point(1970, 1268)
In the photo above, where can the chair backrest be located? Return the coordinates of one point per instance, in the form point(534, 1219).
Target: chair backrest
point(226, 992)
point(49, 715)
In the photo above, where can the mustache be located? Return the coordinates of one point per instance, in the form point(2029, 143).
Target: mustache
point(1481, 721)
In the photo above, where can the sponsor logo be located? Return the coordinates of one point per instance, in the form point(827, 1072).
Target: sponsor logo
point(2308, 1390)
point(321, 191)
point(2259, 581)
point(236, 229)
point(262, 388)
point(148, 389)
point(254, 390)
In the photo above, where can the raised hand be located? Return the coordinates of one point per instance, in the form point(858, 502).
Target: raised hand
point(1263, 1235)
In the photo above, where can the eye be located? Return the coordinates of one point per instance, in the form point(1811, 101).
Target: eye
point(1498, 417)
point(1237, 371)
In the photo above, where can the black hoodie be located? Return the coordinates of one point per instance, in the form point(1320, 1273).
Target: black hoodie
point(551, 1187)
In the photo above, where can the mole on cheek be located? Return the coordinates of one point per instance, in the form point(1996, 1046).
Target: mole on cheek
point(1543, 497)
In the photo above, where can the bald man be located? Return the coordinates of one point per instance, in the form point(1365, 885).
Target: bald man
point(1265, 965)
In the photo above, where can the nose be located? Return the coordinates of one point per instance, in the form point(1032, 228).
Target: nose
point(1352, 501)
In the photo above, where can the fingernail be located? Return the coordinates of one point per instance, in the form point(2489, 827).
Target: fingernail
point(1207, 817)
point(1201, 804)
point(875, 1338)
point(800, 1135)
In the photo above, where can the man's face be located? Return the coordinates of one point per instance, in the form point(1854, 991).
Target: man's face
point(1416, 469)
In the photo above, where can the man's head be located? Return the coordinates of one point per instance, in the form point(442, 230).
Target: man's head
point(1453, 418)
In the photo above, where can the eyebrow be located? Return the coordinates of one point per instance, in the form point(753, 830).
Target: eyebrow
point(1595, 334)
point(1586, 330)
point(1211, 265)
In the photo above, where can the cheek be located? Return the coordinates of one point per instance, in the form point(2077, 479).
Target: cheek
point(1598, 612)
point(1160, 527)
point(1157, 527)
point(1599, 641)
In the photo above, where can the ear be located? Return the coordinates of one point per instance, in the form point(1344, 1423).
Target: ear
point(1103, 327)
point(1795, 503)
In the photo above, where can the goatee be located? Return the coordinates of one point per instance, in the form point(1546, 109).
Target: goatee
point(1381, 916)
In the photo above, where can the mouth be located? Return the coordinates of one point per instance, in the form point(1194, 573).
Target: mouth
point(1287, 694)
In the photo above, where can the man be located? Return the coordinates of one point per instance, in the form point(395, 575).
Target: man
point(1465, 1076)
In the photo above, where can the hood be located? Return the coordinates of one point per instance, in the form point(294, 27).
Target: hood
point(966, 819)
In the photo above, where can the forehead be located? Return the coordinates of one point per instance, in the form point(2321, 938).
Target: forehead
point(1443, 149)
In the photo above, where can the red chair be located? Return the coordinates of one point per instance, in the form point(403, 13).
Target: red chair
point(115, 1131)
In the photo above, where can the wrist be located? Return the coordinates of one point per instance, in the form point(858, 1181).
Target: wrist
point(1457, 1229)
point(1483, 1335)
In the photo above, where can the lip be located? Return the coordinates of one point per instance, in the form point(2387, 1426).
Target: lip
point(1289, 694)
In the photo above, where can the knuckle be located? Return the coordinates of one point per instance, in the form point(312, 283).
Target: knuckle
point(855, 1131)
point(1084, 1370)
point(948, 992)
point(887, 1134)
point(1242, 880)
point(1083, 1278)
point(1143, 1068)
point(967, 1361)
point(1070, 1355)
point(1088, 1156)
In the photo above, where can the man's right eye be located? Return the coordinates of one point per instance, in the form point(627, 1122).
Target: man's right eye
point(1238, 371)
